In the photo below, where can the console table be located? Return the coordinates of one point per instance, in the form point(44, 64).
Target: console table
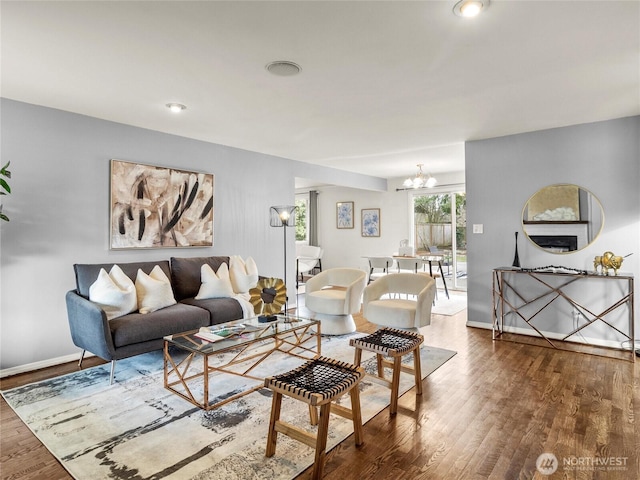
point(511, 298)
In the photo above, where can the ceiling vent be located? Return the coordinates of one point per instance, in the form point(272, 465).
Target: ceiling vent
point(283, 68)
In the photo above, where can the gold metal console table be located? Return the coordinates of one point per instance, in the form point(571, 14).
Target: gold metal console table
point(525, 293)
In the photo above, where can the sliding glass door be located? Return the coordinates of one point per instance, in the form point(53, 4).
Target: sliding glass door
point(439, 228)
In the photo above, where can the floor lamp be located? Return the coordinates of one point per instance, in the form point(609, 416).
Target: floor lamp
point(283, 216)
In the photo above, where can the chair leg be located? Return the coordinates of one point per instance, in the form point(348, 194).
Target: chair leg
point(444, 282)
point(113, 372)
point(81, 358)
point(275, 416)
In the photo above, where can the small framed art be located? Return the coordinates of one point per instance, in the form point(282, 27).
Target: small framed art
point(370, 222)
point(344, 215)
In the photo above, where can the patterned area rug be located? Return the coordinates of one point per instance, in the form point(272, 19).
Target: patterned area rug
point(136, 429)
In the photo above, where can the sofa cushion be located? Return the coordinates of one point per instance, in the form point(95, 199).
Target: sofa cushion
point(244, 273)
point(153, 290)
point(114, 292)
point(185, 274)
point(220, 310)
point(215, 284)
point(137, 327)
point(86, 274)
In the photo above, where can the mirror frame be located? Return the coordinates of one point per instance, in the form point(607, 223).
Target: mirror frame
point(567, 224)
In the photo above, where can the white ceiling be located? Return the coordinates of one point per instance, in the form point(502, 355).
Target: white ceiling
point(384, 85)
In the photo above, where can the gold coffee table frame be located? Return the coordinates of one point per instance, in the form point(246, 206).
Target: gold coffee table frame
point(290, 335)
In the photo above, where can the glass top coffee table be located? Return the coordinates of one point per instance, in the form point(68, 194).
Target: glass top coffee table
point(245, 345)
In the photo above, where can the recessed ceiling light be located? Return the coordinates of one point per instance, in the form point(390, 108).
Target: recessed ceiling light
point(176, 107)
point(283, 68)
point(470, 8)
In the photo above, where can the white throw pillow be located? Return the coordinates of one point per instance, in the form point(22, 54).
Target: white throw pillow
point(215, 285)
point(114, 292)
point(244, 274)
point(154, 290)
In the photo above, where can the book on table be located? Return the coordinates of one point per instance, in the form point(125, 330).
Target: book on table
point(217, 332)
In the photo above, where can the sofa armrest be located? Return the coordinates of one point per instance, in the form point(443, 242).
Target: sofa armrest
point(89, 326)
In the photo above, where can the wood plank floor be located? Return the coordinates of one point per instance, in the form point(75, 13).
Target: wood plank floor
point(488, 413)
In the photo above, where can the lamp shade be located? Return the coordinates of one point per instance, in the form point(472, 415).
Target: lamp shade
point(283, 216)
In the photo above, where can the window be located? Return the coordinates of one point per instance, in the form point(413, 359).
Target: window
point(302, 232)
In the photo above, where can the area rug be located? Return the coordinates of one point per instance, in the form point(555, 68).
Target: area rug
point(449, 306)
point(136, 429)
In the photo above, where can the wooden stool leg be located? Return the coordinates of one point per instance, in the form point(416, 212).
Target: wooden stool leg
point(380, 366)
point(356, 414)
point(357, 357)
point(395, 384)
point(275, 416)
point(417, 370)
point(313, 415)
point(321, 441)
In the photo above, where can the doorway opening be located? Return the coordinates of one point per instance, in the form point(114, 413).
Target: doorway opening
point(439, 228)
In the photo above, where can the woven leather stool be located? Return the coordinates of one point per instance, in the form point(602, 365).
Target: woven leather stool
point(317, 383)
point(393, 343)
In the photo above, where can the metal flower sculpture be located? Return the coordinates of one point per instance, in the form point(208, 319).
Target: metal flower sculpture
point(268, 296)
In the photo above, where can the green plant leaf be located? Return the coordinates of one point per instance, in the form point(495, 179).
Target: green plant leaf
point(5, 185)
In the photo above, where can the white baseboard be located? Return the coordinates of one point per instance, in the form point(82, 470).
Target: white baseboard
point(51, 362)
point(486, 326)
point(595, 342)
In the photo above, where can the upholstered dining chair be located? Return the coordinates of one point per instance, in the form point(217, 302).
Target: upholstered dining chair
point(409, 264)
point(412, 312)
point(333, 296)
point(308, 258)
point(379, 267)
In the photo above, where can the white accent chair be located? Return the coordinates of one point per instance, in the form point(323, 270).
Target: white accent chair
point(308, 257)
point(333, 296)
point(410, 313)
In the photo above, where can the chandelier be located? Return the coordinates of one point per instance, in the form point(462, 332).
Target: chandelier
point(420, 181)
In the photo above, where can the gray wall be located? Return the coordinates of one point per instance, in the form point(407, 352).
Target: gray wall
point(501, 175)
point(59, 212)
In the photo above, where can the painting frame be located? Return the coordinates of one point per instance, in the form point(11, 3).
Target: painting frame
point(344, 215)
point(370, 222)
point(159, 207)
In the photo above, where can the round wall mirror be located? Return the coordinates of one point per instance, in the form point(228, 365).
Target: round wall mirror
point(562, 218)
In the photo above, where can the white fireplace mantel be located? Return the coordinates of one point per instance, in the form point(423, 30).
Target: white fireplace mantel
point(574, 229)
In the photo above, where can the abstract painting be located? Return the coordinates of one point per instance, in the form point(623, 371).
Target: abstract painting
point(344, 214)
point(370, 222)
point(158, 207)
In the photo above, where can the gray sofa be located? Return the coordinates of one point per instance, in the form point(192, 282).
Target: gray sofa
point(136, 333)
